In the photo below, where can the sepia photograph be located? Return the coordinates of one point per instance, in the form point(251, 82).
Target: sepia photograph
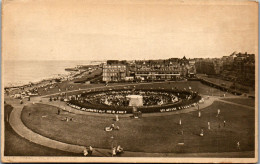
point(129, 81)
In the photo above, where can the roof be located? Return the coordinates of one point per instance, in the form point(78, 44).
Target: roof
point(135, 96)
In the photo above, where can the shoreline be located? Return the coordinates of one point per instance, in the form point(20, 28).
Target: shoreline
point(67, 75)
point(64, 75)
point(30, 84)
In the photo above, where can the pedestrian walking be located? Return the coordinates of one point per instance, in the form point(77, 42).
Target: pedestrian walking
point(224, 123)
point(218, 113)
point(238, 145)
point(199, 114)
point(180, 122)
point(201, 133)
point(90, 150)
point(117, 119)
point(209, 125)
point(113, 151)
point(85, 152)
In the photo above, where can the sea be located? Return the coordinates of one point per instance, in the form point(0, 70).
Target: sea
point(20, 72)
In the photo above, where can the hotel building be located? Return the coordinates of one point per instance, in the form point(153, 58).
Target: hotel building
point(148, 70)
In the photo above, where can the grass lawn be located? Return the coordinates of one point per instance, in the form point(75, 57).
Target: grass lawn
point(150, 134)
point(242, 101)
point(18, 146)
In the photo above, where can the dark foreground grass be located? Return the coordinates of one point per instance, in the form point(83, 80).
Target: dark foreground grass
point(150, 134)
point(242, 101)
point(18, 146)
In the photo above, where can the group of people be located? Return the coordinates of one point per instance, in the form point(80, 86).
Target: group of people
point(88, 151)
point(40, 87)
point(67, 119)
point(32, 89)
point(117, 150)
point(54, 98)
point(119, 98)
point(111, 127)
point(219, 126)
point(209, 127)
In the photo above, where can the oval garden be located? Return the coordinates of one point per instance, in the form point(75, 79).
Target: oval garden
point(145, 100)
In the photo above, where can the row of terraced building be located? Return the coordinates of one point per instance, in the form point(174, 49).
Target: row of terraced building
point(148, 70)
point(237, 67)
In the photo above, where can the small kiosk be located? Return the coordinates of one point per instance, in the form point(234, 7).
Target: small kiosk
point(136, 101)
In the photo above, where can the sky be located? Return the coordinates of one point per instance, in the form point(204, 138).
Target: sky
point(127, 29)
